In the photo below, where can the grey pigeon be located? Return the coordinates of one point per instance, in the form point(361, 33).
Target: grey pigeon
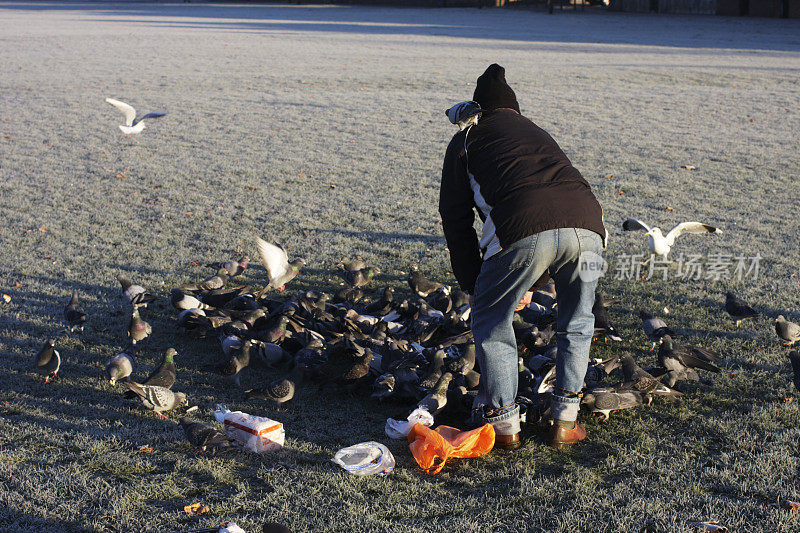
point(794, 358)
point(434, 371)
point(545, 295)
point(598, 370)
point(279, 269)
point(312, 355)
point(636, 377)
point(348, 294)
point(355, 373)
point(138, 328)
point(74, 314)
point(47, 361)
point(233, 268)
point(217, 281)
point(135, 295)
point(157, 399)
point(738, 309)
point(383, 306)
point(230, 344)
point(121, 365)
point(606, 400)
point(789, 332)
point(440, 300)
point(681, 361)
point(654, 328)
point(232, 368)
point(356, 263)
point(204, 436)
point(384, 386)
point(182, 301)
point(436, 400)
point(281, 390)
point(270, 354)
point(602, 321)
point(359, 278)
point(465, 363)
point(421, 285)
point(163, 376)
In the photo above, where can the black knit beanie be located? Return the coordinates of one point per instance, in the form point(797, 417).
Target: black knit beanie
point(492, 91)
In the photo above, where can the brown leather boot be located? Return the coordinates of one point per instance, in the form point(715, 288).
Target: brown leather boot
point(507, 442)
point(564, 437)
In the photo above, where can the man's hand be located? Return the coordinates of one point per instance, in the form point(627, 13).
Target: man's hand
point(524, 302)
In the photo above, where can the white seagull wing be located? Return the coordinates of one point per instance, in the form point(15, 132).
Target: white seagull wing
point(274, 258)
point(690, 227)
point(130, 112)
point(632, 224)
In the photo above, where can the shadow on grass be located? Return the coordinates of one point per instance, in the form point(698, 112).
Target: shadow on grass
point(18, 521)
point(550, 31)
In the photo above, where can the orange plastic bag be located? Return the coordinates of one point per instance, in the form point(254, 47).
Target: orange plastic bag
point(432, 448)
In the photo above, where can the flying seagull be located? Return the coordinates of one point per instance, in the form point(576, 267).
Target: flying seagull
point(661, 244)
point(132, 124)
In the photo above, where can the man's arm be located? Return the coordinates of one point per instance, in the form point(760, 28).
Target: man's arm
point(456, 209)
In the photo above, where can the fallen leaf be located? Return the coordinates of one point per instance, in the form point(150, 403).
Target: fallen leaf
point(787, 505)
point(688, 167)
point(146, 448)
point(195, 263)
point(609, 176)
point(752, 120)
point(120, 175)
point(43, 229)
point(301, 175)
point(7, 298)
point(196, 509)
point(188, 213)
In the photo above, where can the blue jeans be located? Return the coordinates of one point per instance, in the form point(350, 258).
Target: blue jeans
point(503, 280)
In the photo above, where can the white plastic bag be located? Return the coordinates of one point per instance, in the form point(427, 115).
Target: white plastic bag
point(399, 429)
point(365, 458)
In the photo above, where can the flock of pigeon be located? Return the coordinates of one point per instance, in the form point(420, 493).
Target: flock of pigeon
point(416, 350)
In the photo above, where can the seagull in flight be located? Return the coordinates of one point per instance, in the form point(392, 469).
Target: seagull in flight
point(132, 124)
point(661, 244)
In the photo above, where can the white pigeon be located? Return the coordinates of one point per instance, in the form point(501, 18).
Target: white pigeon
point(279, 269)
point(661, 244)
point(132, 124)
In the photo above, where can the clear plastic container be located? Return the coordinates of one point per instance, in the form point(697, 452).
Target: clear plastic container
point(365, 458)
